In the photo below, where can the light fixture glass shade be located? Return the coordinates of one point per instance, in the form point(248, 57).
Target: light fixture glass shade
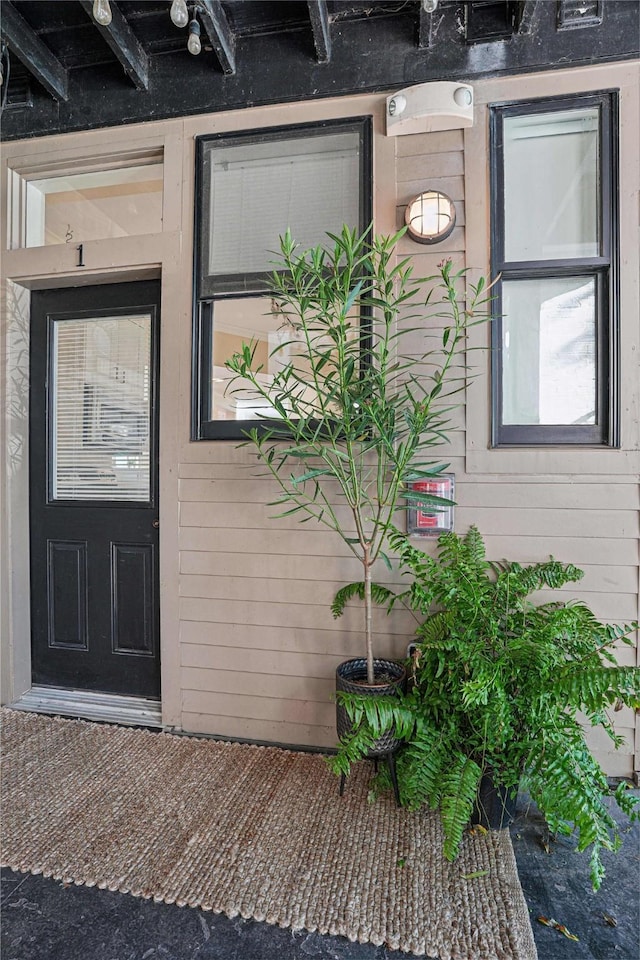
point(430, 217)
point(193, 43)
point(179, 13)
point(102, 12)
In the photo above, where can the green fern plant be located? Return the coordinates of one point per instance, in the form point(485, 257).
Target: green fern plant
point(499, 683)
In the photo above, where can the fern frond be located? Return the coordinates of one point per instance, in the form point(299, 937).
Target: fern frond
point(353, 747)
point(421, 765)
point(379, 594)
point(435, 632)
point(371, 718)
point(593, 688)
point(459, 789)
point(627, 802)
point(474, 545)
point(568, 786)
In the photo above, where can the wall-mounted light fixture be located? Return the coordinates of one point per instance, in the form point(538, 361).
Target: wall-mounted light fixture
point(430, 217)
point(441, 105)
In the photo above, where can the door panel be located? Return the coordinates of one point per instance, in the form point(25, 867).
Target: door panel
point(94, 488)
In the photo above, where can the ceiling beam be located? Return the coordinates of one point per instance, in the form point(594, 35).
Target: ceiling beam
point(32, 52)
point(320, 25)
point(220, 34)
point(428, 25)
point(124, 44)
point(527, 13)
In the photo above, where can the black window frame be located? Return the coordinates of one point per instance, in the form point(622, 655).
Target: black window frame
point(604, 269)
point(253, 285)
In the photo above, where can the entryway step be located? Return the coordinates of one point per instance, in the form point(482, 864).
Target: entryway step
point(88, 705)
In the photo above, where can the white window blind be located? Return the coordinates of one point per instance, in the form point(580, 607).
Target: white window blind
point(101, 406)
point(309, 186)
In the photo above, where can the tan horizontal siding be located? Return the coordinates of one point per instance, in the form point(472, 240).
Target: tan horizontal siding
point(453, 186)
point(562, 496)
point(285, 686)
point(221, 471)
point(506, 540)
point(251, 516)
point(268, 590)
point(453, 243)
point(272, 673)
point(302, 579)
point(626, 656)
point(225, 452)
point(272, 539)
point(580, 550)
point(249, 706)
point(291, 614)
point(425, 144)
point(301, 567)
point(605, 606)
point(449, 164)
point(535, 521)
point(325, 638)
point(601, 742)
point(615, 763)
point(294, 734)
point(426, 265)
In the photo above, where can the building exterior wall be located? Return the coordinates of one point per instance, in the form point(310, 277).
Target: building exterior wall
point(249, 647)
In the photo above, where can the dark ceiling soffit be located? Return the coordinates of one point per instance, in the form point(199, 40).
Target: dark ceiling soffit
point(124, 44)
point(31, 51)
point(220, 34)
point(378, 55)
point(319, 16)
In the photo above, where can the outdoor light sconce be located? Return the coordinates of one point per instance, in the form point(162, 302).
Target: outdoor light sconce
point(442, 105)
point(430, 217)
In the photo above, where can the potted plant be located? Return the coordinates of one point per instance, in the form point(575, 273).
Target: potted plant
point(357, 406)
point(499, 683)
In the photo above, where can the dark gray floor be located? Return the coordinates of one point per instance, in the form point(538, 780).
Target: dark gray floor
point(44, 920)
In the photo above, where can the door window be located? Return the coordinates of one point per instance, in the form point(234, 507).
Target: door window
point(100, 417)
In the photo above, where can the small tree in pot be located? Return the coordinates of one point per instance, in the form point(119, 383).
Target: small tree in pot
point(351, 415)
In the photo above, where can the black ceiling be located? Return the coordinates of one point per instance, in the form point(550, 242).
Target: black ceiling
point(65, 72)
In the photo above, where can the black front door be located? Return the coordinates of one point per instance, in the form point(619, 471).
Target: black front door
point(94, 488)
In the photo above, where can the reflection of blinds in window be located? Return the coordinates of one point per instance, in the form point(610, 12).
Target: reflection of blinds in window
point(254, 201)
point(100, 395)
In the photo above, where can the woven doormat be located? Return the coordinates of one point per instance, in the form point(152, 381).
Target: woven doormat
point(253, 831)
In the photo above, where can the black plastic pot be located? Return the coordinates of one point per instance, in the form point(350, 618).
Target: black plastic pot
point(351, 677)
point(495, 808)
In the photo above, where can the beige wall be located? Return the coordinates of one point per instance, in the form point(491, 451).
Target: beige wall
point(249, 647)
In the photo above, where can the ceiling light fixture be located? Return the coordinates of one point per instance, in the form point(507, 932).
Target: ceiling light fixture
point(102, 12)
point(193, 43)
point(179, 13)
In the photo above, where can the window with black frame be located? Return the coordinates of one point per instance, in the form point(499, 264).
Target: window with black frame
point(554, 244)
point(251, 187)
